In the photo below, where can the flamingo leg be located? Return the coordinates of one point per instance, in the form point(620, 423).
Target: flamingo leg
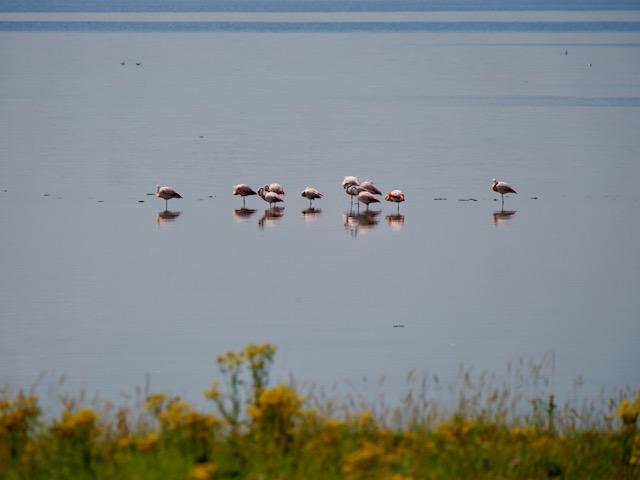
point(166, 204)
point(242, 202)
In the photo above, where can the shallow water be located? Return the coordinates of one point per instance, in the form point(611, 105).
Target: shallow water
point(100, 284)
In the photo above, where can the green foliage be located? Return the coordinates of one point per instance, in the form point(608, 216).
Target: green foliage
point(262, 432)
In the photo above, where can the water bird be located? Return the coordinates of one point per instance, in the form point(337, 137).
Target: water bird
point(311, 194)
point(353, 191)
point(349, 180)
point(243, 190)
point(166, 193)
point(502, 188)
point(367, 197)
point(395, 196)
point(138, 63)
point(274, 188)
point(269, 197)
point(370, 187)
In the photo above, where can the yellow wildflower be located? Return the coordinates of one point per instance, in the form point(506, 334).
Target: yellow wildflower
point(148, 442)
point(628, 411)
point(213, 393)
point(203, 471)
point(230, 360)
point(79, 424)
point(366, 462)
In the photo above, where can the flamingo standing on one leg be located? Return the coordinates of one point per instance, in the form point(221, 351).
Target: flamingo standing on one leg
point(502, 188)
point(311, 194)
point(395, 196)
point(370, 187)
point(166, 193)
point(367, 198)
point(243, 190)
point(274, 188)
point(269, 197)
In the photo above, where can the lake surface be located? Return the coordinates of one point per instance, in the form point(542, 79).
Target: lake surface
point(99, 284)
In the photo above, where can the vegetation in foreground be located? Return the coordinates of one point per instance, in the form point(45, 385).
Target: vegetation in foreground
point(255, 431)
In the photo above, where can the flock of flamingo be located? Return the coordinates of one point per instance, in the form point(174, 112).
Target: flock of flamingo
point(365, 192)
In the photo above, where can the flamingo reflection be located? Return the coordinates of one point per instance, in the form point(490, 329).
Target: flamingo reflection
point(502, 217)
point(396, 221)
point(167, 216)
point(360, 222)
point(311, 214)
point(241, 215)
point(271, 217)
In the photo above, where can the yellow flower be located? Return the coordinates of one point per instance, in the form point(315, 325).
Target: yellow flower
point(148, 442)
point(230, 361)
point(79, 424)
point(203, 471)
point(629, 411)
point(364, 462)
point(213, 392)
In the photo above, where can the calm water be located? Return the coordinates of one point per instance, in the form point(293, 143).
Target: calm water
point(102, 288)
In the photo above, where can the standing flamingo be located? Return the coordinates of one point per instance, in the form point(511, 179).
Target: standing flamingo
point(243, 190)
point(353, 191)
point(274, 188)
point(370, 187)
point(166, 193)
point(311, 194)
point(349, 180)
point(367, 198)
point(269, 197)
point(502, 188)
point(395, 196)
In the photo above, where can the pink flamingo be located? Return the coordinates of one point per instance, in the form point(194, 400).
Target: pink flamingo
point(269, 197)
point(166, 193)
point(311, 194)
point(502, 188)
point(274, 188)
point(395, 196)
point(367, 198)
point(243, 190)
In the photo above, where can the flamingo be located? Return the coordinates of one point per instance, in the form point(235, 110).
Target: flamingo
point(243, 190)
point(166, 193)
point(367, 198)
point(370, 187)
point(395, 196)
point(502, 188)
point(311, 194)
point(275, 188)
point(349, 180)
point(269, 197)
point(353, 191)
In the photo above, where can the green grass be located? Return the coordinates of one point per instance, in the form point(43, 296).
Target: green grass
point(255, 431)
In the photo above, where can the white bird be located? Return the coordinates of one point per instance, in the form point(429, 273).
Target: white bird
point(395, 196)
point(243, 190)
point(502, 188)
point(370, 187)
point(274, 188)
point(367, 198)
point(349, 181)
point(311, 194)
point(353, 191)
point(269, 197)
point(166, 193)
